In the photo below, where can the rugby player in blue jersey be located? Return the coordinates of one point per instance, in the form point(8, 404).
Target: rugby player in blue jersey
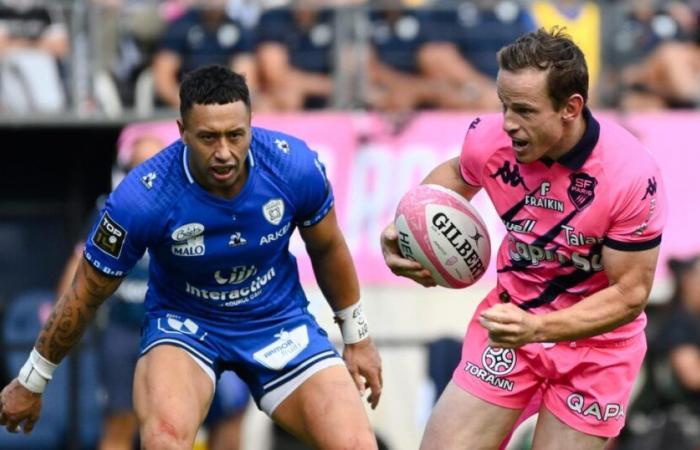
point(216, 210)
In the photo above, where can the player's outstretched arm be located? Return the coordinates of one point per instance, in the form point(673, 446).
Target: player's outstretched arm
point(630, 274)
point(21, 399)
point(336, 276)
point(447, 175)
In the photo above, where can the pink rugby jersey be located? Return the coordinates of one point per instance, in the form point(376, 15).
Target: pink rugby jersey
point(606, 191)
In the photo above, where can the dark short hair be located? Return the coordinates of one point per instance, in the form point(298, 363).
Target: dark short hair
point(555, 52)
point(211, 85)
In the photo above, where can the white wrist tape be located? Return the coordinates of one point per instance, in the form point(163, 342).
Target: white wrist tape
point(36, 372)
point(353, 323)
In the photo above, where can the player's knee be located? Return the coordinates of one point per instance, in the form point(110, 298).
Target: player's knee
point(355, 440)
point(164, 434)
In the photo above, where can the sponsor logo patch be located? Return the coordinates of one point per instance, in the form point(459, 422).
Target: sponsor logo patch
point(189, 240)
point(273, 211)
point(581, 190)
point(286, 347)
point(109, 236)
point(499, 361)
point(510, 176)
point(148, 179)
point(181, 325)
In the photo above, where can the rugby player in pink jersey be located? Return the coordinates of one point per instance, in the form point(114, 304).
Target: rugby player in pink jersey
point(584, 206)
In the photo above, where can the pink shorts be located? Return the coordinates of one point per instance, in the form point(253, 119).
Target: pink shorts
point(586, 387)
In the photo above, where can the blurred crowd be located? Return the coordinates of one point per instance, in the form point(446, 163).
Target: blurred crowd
point(384, 55)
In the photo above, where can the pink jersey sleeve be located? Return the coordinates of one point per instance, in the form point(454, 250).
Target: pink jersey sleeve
point(479, 145)
point(639, 208)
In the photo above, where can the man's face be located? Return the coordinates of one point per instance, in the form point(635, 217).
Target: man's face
point(218, 137)
point(529, 117)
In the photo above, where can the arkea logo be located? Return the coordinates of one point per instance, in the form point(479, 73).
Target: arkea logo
point(510, 176)
point(273, 211)
point(286, 347)
point(272, 237)
point(651, 188)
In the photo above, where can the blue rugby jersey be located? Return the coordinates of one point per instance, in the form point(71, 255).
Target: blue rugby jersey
point(213, 257)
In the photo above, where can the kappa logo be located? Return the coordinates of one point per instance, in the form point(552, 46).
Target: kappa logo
point(109, 236)
point(510, 175)
point(273, 211)
point(286, 347)
point(651, 188)
point(148, 179)
point(581, 190)
point(189, 240)
point(498, 361)
point(282, 145)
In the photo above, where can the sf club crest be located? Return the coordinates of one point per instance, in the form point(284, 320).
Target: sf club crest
point(273, 211)
point(498, 361)
point(581, 190)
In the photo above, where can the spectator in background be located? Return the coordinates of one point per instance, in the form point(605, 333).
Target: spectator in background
point(295, 54)
point(582, 20)
point(120, 335)
point(126, 33)
point(204, 35)
point(464, 38)
point(632, 30)
point(680, 337)
point(33, 40)
point(395, 83)
point(668, 78)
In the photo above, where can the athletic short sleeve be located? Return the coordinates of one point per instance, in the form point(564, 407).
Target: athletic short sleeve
point(125, 226)
point(640, 210)
point(314, 196)
point(478, 147)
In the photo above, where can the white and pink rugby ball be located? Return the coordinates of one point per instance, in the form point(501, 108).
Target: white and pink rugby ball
point(441, 230)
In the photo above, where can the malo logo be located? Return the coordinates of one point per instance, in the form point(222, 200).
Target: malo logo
point(510, 176)
point(581, 190)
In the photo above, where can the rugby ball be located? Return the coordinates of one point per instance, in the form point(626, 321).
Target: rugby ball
point(441, 230)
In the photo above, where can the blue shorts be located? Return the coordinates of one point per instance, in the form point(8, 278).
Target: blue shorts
point(273, 356)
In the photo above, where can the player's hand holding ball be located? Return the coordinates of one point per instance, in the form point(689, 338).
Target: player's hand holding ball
point(437, 238)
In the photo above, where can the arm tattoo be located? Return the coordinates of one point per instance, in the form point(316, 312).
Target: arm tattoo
point(74, 312)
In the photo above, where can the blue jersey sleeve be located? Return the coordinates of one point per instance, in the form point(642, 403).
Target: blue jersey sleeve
point(312, 190)
point(125, 226)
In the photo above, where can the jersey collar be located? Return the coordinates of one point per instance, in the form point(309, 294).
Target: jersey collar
point(575, 158)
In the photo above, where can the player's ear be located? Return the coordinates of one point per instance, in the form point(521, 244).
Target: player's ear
point(180, 126)
point(572, 108)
